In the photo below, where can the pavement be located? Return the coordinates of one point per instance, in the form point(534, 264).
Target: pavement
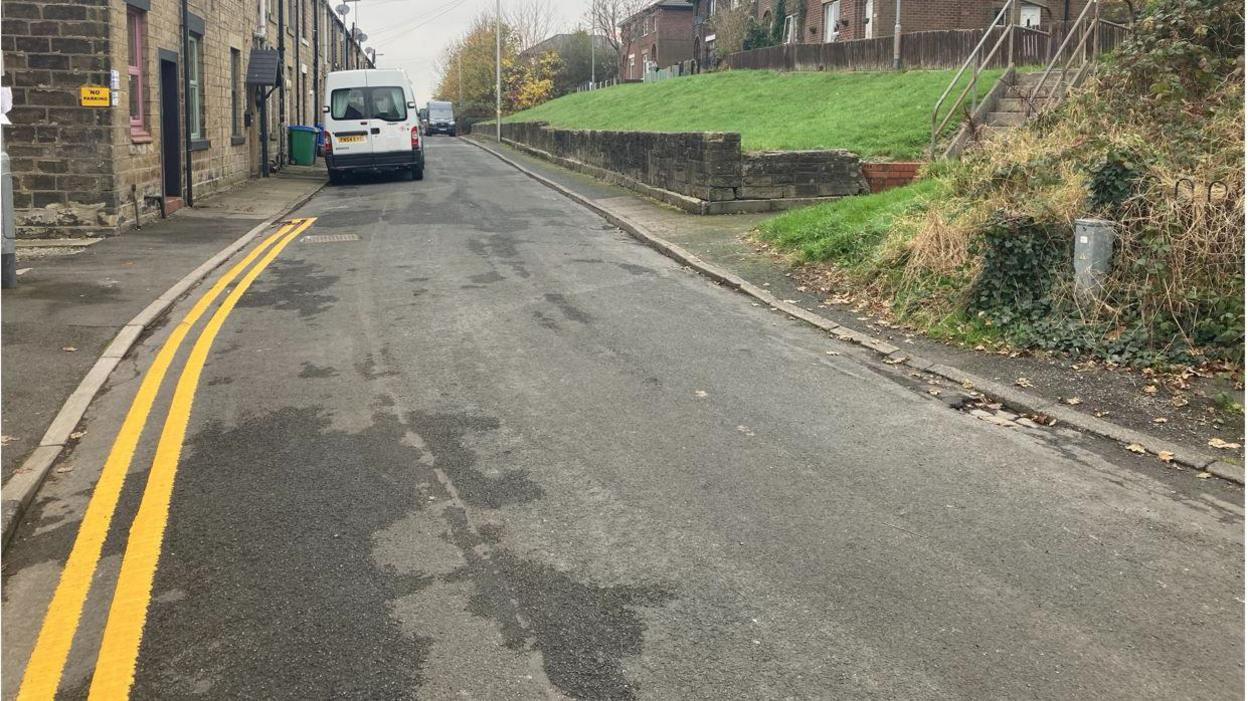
point(71, 301)
point(464, 438)
point(1182, 411)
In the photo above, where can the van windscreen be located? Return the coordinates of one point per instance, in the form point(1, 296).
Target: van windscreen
point(368, 103)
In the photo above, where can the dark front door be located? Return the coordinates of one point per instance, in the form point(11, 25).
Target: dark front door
point(170, 131)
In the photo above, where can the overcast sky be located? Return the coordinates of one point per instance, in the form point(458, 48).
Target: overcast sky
point(411, 34)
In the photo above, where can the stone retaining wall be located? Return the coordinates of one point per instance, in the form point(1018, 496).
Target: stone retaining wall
point(706, 171)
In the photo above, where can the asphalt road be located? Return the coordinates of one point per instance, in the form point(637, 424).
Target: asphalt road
point(464, 439)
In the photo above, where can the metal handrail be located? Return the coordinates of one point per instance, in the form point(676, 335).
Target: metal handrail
point(1090, 30)
point(1009, 31)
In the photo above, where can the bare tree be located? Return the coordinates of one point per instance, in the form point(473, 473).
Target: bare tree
point(532, 21)
point(605, 17)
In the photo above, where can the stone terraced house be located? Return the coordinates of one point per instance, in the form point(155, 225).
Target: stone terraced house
point(180, 121)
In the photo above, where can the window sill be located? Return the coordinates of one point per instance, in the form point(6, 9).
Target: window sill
point(140, 137)
point(238, 140)
point(200, 144)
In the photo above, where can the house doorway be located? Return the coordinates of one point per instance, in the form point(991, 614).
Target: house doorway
point(170, 129)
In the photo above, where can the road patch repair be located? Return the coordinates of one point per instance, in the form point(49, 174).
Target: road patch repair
point(989, 393)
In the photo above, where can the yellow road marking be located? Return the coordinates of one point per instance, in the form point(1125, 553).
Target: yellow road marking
point(47, 660)
point(119, 650)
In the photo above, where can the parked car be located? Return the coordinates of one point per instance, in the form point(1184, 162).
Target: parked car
point(424, 119)
point(441, 118)
point(371, 123)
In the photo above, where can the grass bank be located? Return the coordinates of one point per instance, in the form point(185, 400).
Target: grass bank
point(880, 115)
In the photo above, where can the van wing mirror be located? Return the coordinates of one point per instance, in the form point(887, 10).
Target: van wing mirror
point(411, 105)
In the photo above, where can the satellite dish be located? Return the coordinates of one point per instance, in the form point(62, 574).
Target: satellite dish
point(360, 36)
point(370, 51)
point(343, 9)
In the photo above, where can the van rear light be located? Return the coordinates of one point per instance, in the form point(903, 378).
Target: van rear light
point(415, 138)
point(329, 144)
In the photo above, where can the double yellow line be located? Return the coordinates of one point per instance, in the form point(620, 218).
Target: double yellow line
point(123, 631)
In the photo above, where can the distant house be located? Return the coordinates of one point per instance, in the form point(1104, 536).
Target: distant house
point(564, 44)
point(842, 20)
point(659, 35)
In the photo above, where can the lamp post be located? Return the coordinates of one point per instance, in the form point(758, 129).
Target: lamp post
point(498, 70)
point(897, 38)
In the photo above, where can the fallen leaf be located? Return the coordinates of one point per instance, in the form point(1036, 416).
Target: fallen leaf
point(1137, 448)
point(1024, 382)
point(1160, 420)
point(701, 393)
point(1221, 444)
point(967, 384)
point(1178, 402)
point(1150, 390)
point(831, 353)
point(69, 349)
point(1165, 456)
point(1073, 401)
point(77, 434)
point(934, 392)
point(1204, 476)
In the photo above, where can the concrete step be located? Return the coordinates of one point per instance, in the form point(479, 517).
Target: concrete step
point(1011, 104)
point(1006, 119)
point(989, 132)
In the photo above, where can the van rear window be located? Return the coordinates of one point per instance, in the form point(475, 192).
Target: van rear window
point(368, 103)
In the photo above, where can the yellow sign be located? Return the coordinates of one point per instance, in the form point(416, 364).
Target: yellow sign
point(93, 96)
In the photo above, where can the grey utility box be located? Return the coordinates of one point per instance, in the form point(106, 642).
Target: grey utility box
point(1094, 252)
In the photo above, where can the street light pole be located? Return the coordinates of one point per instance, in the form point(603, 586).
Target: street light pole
point(897, 39)
point(498, 70)
point(593, 22)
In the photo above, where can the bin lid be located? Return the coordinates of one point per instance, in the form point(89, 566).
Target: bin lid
point(300, 127)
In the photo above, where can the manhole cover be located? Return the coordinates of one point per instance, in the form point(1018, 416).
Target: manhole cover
point(329, 238)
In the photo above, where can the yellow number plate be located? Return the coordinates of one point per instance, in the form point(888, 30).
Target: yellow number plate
point(350, 139)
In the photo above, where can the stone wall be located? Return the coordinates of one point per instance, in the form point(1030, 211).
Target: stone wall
point(61, 154)
point(705, 166)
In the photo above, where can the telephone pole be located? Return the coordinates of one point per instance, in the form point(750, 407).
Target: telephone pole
point(897, 38)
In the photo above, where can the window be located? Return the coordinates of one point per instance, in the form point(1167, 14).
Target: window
point(195, 81)
point(136, 68)
point(386, 103)
point(831, 21)
point(236, 98)
point(788, 29)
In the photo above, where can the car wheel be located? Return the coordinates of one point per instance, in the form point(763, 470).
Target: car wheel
point(335, 177)
point(418, 172)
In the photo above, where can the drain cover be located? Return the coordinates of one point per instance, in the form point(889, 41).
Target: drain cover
point(329, 238)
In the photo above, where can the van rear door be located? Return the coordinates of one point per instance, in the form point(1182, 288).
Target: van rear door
point(349, 124)
point(388, 124)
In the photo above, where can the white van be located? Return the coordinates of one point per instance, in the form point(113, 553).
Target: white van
point(371, 123)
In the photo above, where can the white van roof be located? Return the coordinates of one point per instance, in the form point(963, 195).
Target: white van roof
point(368, 76)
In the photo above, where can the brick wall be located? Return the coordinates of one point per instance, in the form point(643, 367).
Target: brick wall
point(707, 166)
point(663, 35)
point(60, 152)
point(886, 176)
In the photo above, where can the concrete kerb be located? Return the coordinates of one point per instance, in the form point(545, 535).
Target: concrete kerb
point(1009, 396)
point(21, 488)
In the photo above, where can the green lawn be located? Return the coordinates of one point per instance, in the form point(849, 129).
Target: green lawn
point(847, 231)
point(883, 115)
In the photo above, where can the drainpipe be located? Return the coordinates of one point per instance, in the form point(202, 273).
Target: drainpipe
point(186, 99)
point(281, 82)
point(298, 21)
point(316, 62)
